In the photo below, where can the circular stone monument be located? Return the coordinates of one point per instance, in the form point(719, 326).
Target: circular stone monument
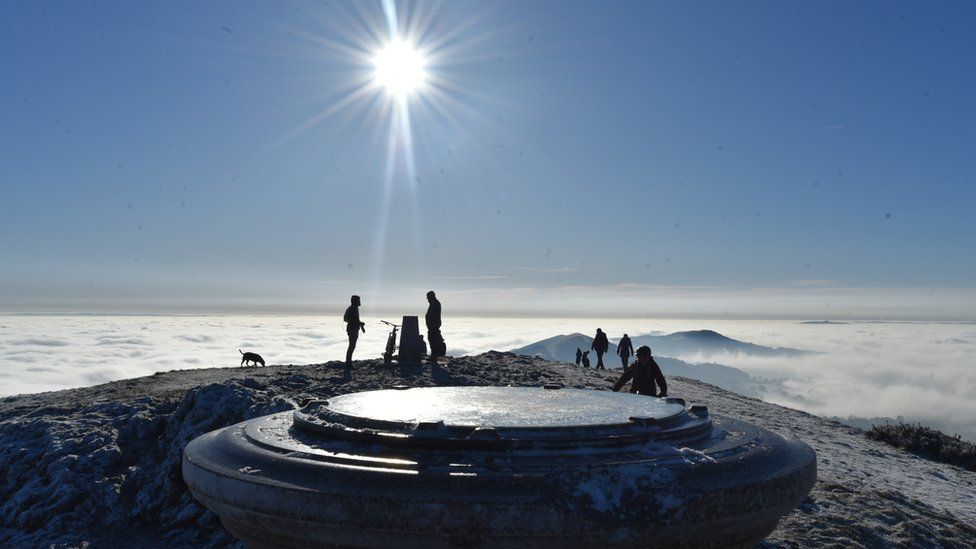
point(498, 467)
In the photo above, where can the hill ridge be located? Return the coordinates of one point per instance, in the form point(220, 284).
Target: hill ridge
point(100, 464)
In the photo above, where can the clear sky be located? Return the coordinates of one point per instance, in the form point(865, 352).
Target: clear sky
point(595, 158)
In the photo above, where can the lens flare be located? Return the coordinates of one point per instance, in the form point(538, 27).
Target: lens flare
point(399, 68)
point(390, 68)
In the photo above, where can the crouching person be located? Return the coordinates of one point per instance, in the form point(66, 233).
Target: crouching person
point(645, 372)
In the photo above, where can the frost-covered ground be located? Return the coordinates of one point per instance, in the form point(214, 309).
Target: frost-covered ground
point(101, 465)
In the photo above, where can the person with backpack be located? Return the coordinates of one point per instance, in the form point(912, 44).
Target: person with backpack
point(601, 345)
point(645, 373)
point(625, 349)
point(433, 319)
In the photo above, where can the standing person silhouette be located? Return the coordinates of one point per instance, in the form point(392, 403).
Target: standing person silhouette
point(625, 349)
point(353, 326)
point(579, 355)
point(601, 345)
point(433, 319)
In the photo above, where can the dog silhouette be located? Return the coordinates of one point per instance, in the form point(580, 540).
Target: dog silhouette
point(586, 359)
point(250, 357)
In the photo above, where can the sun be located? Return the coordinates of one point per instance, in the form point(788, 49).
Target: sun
point(400, 68)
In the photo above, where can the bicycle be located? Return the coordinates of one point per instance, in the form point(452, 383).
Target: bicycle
point(391, 345)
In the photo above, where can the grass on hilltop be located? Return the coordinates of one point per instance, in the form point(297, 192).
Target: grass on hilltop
point(926, 442)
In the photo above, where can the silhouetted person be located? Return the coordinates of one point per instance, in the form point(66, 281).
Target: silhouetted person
point(579, 355)
point(586, 359)
point(644, 373)
point(625, 349)
point(433, 319)
point(353, 326)
point(601, 345)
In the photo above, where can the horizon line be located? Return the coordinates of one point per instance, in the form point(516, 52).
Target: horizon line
point(491, 315)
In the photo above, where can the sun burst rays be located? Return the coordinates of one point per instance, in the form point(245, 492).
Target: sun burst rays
point(393, 66)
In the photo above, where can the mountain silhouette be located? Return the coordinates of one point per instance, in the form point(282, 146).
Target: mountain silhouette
point(562, 348)
point(824, 322)
point(699, 342)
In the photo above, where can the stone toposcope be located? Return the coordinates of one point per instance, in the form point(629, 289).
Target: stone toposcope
point(498, 467)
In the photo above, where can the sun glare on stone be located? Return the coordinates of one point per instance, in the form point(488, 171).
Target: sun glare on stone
point(399, 68)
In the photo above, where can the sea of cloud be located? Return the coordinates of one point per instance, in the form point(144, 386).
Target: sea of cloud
point(922, 371)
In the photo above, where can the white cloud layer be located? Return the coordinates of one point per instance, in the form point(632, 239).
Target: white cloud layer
point(922, 371)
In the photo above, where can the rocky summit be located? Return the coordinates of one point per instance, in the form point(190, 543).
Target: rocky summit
point(100, 466)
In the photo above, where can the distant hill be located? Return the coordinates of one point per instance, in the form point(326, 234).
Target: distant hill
point(719, 375)
point(562, 348)
point(824, 322)
point(707, 342)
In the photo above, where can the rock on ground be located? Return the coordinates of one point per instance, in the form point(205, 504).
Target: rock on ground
point(100, 466)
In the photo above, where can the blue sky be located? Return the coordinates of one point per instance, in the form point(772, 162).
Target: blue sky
point(161, 157)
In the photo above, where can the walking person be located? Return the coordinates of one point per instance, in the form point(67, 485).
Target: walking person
point(438, 347)
point(601, 345)
point(625, 349)
point(645, 373)
point(353, 326)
